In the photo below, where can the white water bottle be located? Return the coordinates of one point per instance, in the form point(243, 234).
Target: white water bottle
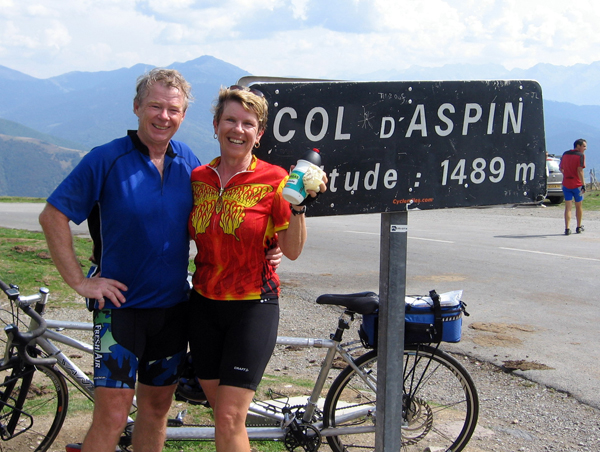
point(294, 191)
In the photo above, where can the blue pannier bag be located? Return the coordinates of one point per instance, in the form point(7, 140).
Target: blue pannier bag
point(432, 319)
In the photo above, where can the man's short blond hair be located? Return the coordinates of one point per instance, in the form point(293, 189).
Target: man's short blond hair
point(170, 78)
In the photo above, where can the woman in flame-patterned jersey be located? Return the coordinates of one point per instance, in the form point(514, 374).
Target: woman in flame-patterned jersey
point(238, 215)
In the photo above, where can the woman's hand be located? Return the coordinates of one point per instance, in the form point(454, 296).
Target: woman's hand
point(274, 256)
point(314, 180)
point(322, 187)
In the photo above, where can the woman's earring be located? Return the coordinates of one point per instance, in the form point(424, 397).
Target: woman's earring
point(257, 145)
point(215, 136)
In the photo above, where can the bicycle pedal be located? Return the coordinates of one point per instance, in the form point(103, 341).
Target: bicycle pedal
point(174, 423)
point(192, 399)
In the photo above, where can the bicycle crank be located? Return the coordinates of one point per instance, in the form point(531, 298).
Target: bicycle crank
point(302, 437)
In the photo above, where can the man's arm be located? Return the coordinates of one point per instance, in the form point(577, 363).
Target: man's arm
point(60, 243)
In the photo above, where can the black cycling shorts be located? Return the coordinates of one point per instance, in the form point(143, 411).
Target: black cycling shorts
point(148, 342)
point(232, 341)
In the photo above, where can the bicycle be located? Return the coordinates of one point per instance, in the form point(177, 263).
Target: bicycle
point(439, 405)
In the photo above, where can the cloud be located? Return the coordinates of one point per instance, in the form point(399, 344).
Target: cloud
point(312, 38)
point(56, 36)
point(38, 10)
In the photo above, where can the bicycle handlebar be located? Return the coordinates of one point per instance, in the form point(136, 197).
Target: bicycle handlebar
point(22, 340)
point(5, 288)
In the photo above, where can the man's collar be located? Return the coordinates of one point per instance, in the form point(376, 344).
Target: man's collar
point(143, 148)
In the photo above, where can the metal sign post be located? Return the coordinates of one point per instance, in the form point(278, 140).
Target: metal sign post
point(391, 147)
point(392, 290)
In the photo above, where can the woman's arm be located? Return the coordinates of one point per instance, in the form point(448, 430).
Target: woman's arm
point(292, 239)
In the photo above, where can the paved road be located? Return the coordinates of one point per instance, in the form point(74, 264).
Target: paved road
point(25, 216)
point(531, 291)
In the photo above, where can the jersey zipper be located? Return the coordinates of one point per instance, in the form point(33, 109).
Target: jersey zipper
point(222, 189)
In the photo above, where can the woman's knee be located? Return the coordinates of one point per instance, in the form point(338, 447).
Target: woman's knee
point(230, 418)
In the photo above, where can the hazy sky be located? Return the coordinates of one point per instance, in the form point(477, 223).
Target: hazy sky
point(303, 38)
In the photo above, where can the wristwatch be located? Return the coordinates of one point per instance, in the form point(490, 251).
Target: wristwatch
point(298, 212)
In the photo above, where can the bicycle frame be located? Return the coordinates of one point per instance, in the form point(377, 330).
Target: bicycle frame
point(350, 404)
point(75, 374)
point(279, 432)
point(271, 412)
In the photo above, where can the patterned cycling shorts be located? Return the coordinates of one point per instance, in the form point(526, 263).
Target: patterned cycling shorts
point(149, 343)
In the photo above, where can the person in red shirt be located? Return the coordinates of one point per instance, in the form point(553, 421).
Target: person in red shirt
point(572, 164)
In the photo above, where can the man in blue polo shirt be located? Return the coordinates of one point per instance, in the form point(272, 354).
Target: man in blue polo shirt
point(135, 192)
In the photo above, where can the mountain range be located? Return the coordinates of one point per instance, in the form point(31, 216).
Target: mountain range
point(65, 116)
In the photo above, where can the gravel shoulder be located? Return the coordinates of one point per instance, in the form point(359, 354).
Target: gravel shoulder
point(516, 414)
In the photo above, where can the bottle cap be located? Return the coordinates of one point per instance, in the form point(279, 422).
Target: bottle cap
point(313, 156)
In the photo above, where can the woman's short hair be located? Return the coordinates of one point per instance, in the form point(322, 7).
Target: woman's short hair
point(170, 78)
point(251, 100)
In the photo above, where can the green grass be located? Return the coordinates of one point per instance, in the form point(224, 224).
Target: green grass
point(21, 199)
point(209, 446)
point(591, 202)
point(78, 401)
point(26, 262)
point(269, 379)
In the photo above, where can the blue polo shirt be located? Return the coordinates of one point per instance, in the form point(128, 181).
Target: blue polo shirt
point(137, 219)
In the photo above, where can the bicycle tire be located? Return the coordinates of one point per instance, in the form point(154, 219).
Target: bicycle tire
point(42, 394)
point(440, 404)
point(7, 317)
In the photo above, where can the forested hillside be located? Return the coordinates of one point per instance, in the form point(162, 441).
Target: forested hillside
point(30, 167)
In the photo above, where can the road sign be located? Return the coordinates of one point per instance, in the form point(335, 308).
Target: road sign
point(397, 146)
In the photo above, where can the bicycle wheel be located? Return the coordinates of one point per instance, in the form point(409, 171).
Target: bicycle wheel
point(33, 407)
point(440, 405)
point(350, 402)
point(6, 318)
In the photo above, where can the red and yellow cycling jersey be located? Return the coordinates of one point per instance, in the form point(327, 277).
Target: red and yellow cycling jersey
point(234, 227)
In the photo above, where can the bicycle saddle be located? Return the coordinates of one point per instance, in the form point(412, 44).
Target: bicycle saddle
point(361, 303)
